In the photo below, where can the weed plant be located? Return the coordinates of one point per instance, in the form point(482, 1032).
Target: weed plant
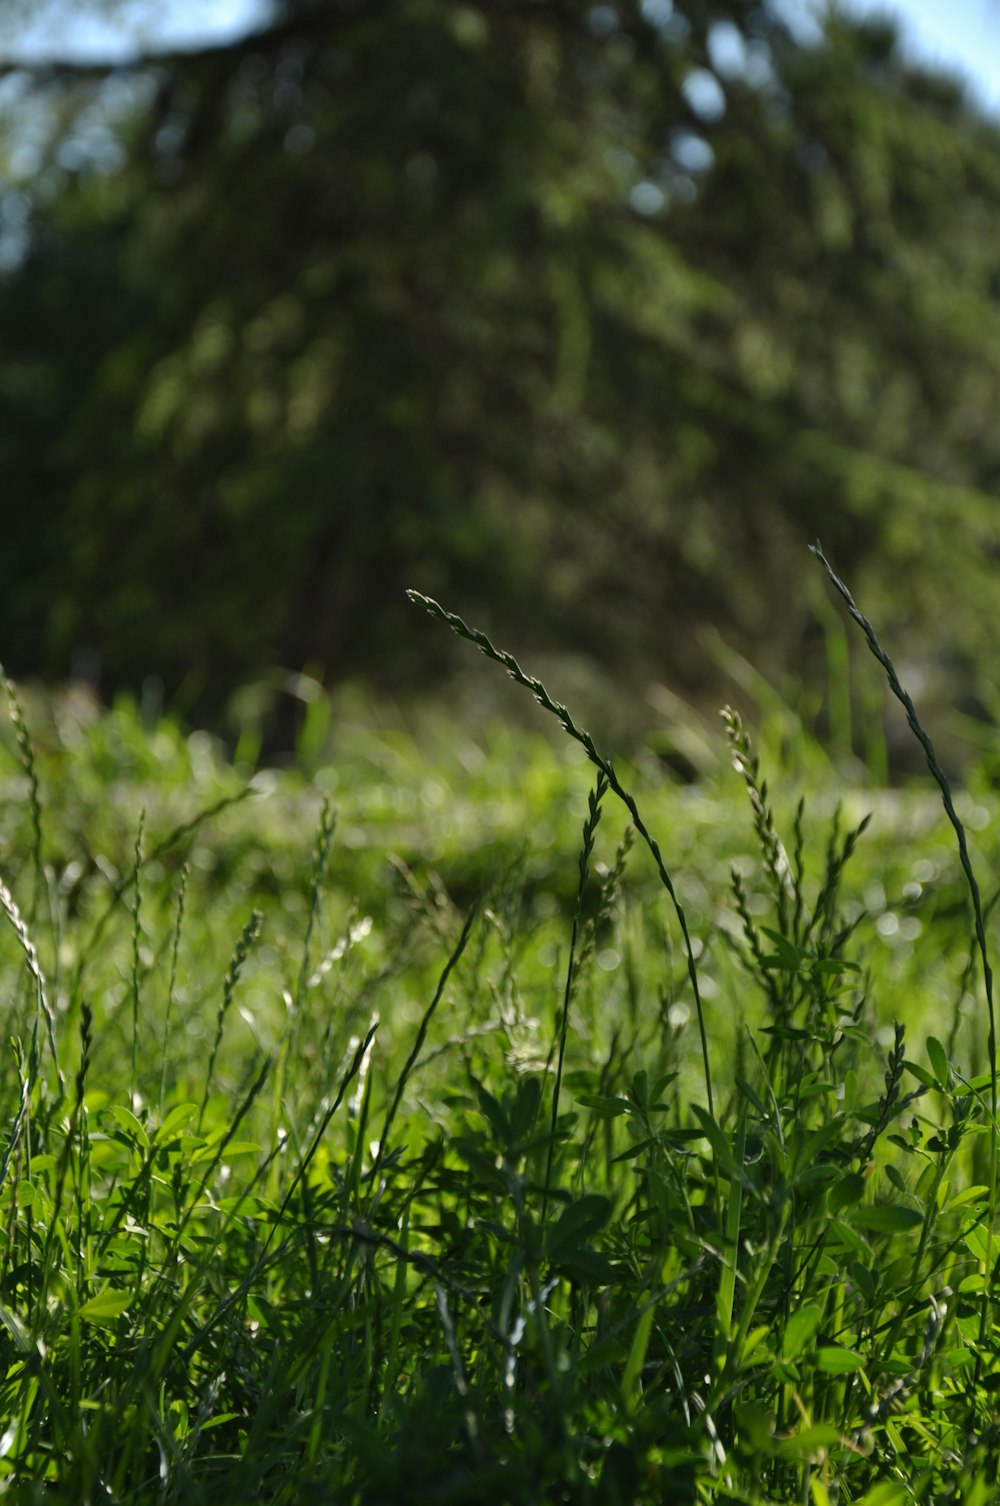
point(411, 1168)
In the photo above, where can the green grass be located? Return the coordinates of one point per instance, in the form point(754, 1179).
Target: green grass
point(441, 1120)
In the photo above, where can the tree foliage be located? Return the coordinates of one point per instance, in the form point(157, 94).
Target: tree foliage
point(584, 318)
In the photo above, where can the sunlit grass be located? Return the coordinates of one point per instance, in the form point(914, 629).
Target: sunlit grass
point(445, 1121)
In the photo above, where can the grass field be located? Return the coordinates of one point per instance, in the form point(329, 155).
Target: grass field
point(458, 1118)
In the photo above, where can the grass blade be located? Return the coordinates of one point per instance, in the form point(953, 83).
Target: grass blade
point(580, 735)
point(941, 780)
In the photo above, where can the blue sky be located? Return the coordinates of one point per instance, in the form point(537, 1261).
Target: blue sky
point(964, 35)
point(109, 31)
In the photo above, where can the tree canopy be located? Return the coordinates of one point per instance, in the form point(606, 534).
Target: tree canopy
point(584, 318)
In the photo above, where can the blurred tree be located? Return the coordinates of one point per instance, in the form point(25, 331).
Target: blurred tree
point(583, 317)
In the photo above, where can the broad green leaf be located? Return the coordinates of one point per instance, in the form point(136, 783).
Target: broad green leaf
point(801, 1329)
point(717, 1138)
point(661, 1084)
point(245, 1206)
point(820, 1139)
point(493, 1113)
point(634, 1150)
point(813, 1175)
point(938, 1059)
point(836, 1361)
point(578, 1222)
point(585, 1264)
point(522, 1115)
point(756, 1425)
point(814, 1088)
point(754, 1338)
point(849, 1190)
point(887, 1218)
point(631, 1390)
point(885, 1493)
point(896, 1179)
point(789, 954)
point(750, 1092)
point(263, 1312)
point(977, 1242)
point(821, 1435)
point(639, 1087)
point(178, 1115)
point(605, 1108)
point(850, 1237)
point(974, 1084)
point(106, 1306)
point(834, 965)
point(129, 1123)
point(868, 1113)
point(968, 1195)
point(921, 1074)
point(17, 1329)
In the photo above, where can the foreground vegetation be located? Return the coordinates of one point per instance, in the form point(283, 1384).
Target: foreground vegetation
point(524, 1134)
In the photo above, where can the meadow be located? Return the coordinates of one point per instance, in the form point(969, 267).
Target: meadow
point(455, 1115)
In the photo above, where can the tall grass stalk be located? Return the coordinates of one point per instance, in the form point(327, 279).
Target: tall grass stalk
point(172, 981)
point(418, 1044)
point(26, 755)
point(136, 952)
point(589, 832)
point(251, 931)
point(321, 858)
point(43, 1009)
point(580, 735)
point(944, 786)
point(180, 833)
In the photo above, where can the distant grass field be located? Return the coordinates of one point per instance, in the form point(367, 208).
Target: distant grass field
point(450, 1119)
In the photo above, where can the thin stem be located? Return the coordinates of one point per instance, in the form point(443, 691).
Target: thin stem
point(589, 832)
point(977, 906)
point(580, 735)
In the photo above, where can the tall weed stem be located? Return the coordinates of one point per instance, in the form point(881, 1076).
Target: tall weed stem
point(977, 905)
point(580, 735)
point(589, 832)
